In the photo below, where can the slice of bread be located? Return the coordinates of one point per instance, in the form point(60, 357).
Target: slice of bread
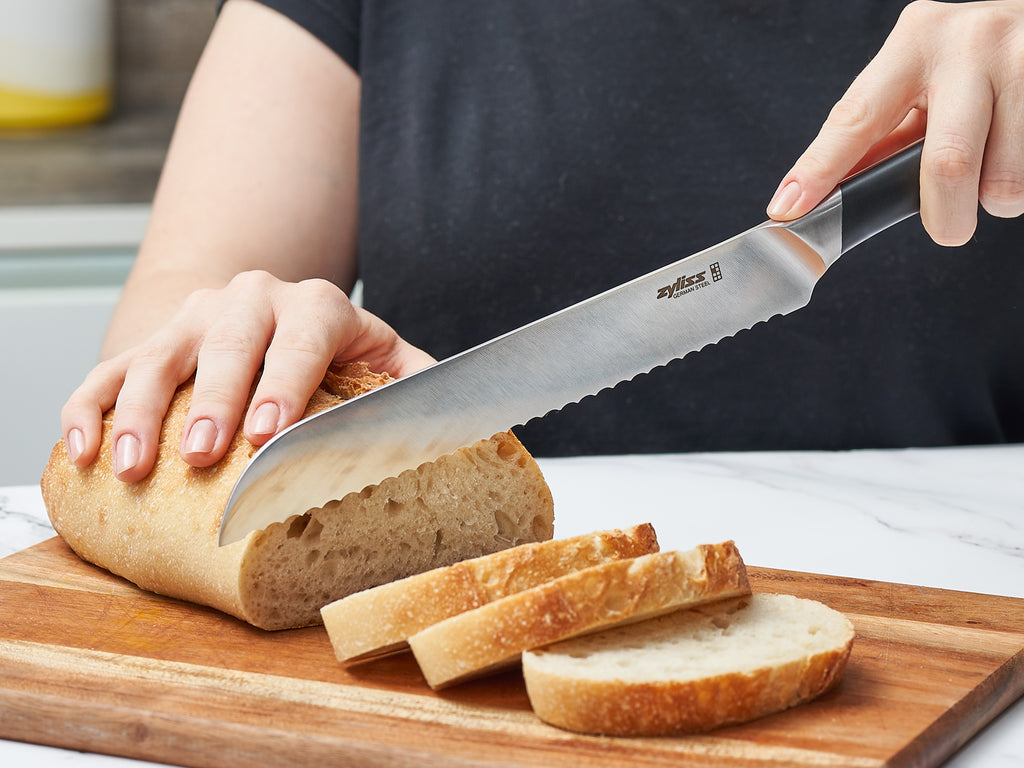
point(691, 670)
point(495, 635)
point(161, 533)
point(380, 620)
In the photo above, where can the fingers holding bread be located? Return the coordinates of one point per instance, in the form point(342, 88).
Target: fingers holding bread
point(142, 385)
point(255, 330)
point(82, 415)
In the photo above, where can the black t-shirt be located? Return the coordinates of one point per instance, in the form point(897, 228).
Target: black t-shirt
point(516, 157)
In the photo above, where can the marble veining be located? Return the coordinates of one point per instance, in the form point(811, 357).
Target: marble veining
point(890, 515)
point(23, 520)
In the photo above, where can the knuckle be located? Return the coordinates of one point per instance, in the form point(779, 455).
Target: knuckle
point(1003, 187)
point(252, 281)
point(815, 163)
point(288, 385)
point(1002, 192)
point(978, 28)
point(230, 340)
point(152, 357)
point(300, 348)
point(319, 292)
point(78, 401)
point(984, 30)
point(217, 399)
point(921, 13)
point(952, 159)
point(196, 300)
point(160, 362)
point(851, 113)
point(133, 411)
point(285, 388)
point(74, 409)
point(98, 389)
point(103, 374)
point(325, 312)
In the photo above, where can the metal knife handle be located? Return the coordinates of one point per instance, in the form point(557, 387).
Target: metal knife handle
point(881, 196)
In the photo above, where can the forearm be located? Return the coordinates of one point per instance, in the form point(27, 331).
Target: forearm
point(256, 178)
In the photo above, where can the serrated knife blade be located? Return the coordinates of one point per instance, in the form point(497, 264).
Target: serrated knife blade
point(579, 351)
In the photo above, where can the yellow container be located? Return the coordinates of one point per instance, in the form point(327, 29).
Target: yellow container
point(56, 62)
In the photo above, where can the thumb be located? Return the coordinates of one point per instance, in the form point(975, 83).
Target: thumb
point(376, 343)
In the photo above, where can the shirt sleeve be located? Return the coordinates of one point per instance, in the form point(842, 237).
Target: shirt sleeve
point(334, 22)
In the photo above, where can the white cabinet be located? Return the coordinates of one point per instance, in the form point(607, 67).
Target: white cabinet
point(61, 271)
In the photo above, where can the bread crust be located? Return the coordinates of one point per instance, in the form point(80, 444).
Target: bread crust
point(380, 620)
point(161, 533)
point(623, 591)
point(599, 703)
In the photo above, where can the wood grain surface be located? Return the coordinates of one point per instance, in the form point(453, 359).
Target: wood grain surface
point(90, 662)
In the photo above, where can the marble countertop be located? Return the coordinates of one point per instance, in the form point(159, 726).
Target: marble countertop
point(946, 518)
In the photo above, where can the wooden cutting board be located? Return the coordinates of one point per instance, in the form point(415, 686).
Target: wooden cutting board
point(90, 662)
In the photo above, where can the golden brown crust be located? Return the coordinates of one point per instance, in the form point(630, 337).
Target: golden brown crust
point(611, 708)
point(380, 620)
point(617, 705)
point(611, 594)
point(161, 532)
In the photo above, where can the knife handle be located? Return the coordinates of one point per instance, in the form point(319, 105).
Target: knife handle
point(880, 196)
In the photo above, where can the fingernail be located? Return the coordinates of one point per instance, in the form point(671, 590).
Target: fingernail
point(126, 453)
point(785, 198)
point(264, 420)
point(202, 437)
point(75, 443)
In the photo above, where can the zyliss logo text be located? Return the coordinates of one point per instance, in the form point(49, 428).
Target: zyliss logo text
point(683, 284)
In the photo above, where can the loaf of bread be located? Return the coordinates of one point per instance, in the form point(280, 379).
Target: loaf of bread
point(691, 670)
point(493, 636)
point(161, 532)
point(380, 620)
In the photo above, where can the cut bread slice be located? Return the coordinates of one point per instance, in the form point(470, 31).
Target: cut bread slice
point(161, 532)
point(380, 620)
point(691, 670)
point(495, 635)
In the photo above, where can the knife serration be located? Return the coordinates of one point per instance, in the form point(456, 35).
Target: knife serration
point(541, 367)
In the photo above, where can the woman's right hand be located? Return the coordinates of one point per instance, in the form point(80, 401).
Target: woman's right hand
point(292, 331)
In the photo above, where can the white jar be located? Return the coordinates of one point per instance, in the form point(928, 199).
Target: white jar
point(56, 61)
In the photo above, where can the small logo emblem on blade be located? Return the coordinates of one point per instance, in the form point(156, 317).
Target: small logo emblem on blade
point(688, 283)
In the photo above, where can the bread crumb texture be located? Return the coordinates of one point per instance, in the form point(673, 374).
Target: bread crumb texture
point(691, 670)
point(479, 500)
point(161, 533)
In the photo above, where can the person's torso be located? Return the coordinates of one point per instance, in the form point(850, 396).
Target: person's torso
point(518, 157)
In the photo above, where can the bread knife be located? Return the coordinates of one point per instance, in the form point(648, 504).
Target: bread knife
point(560, 359)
